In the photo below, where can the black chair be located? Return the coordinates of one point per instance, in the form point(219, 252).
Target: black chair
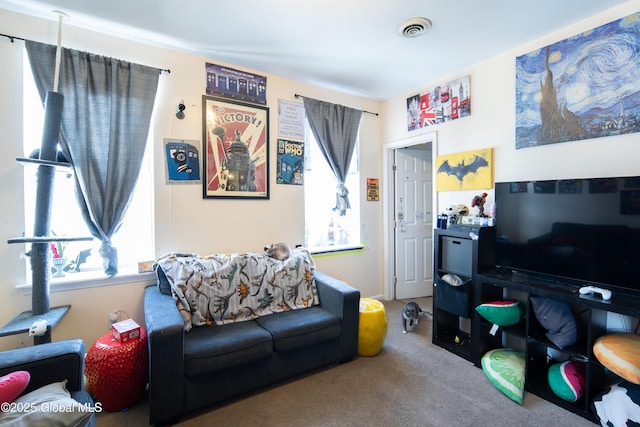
point(49, 363)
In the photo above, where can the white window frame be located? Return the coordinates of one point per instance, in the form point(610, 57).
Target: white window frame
point(320, 198)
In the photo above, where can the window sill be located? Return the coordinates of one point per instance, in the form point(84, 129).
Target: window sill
point(91, 279)
point(336, 250)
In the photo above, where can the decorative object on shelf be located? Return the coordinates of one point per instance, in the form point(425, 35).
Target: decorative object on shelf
point(479, 201)
point(558, 320)
point(505, 367)
point(501, 313)
point(58, 266)
point(455, 213)
point(59, 260)
point(620, 353)
point(567, 380)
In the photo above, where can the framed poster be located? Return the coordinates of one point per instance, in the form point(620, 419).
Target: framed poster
point(235, 149)
point(582, 87)
point(226, 82)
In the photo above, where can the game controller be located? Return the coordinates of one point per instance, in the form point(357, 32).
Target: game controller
point(604, 293)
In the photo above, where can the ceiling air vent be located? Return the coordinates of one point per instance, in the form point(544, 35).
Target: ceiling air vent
point(414, 27)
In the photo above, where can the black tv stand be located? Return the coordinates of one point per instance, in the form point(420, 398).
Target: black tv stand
point(591, 313)
point(458, 328)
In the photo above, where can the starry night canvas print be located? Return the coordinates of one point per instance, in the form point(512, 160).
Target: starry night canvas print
point(586, 86)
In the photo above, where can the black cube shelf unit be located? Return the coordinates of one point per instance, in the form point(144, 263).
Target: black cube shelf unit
point(468, 252)
point(462, 251)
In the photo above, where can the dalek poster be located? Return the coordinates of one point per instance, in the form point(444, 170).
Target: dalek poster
point(290, 162)
point(235, 149)
point(183, 161)
point(230, 83)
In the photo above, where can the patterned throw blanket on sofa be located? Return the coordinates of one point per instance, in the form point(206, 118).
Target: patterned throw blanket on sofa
point(227, 288)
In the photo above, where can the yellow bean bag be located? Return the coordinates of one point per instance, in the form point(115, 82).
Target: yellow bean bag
point(372, 328)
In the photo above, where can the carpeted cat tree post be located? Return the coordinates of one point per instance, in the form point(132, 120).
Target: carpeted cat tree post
point(40, 254)
point(40, 251)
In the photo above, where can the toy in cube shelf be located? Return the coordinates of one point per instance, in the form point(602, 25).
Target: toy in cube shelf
point(125, 331)
point(456, 212)
point(479, 201)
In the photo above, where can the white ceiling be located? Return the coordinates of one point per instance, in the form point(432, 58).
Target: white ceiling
point(348, 45)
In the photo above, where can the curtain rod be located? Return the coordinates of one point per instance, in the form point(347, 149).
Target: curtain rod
point(13, 38)
point(364, 111)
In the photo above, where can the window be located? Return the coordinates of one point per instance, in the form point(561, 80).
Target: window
point(325, 230)
point(134, 241)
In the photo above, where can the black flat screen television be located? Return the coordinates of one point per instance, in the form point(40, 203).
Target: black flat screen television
point(578, 231)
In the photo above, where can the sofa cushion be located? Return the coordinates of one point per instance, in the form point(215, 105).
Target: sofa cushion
point(300, 328)
point(222, 347)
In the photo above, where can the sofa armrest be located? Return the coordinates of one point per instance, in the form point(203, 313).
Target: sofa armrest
point(343, 300)
point(165, 331)
point(48, 363)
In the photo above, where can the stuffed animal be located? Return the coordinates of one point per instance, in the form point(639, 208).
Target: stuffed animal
point(456, 212)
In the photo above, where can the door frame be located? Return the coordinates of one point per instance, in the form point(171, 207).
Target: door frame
point(388, 214)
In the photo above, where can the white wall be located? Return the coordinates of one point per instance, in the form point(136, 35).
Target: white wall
point(184, 221)
point(492, 124)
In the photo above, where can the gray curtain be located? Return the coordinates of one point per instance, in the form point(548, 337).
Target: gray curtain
point(104, 127)
point(335, 127)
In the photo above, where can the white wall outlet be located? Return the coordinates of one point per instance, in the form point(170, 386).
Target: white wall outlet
point(113, 317)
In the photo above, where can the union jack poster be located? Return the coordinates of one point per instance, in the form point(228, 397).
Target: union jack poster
point(440, 104)
point(235, 149)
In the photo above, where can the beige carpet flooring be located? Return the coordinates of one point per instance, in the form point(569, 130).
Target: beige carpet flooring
point(411, 382)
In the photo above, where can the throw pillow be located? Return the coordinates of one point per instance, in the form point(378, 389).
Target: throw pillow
point(501, 313)
point(567, 380)
point(50, 405)
point(618, 405)
point(557, 319)
point(620, 353)
point(504, 367)
point(11, 385)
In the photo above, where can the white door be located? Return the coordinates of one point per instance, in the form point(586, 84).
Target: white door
point(413, 222)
